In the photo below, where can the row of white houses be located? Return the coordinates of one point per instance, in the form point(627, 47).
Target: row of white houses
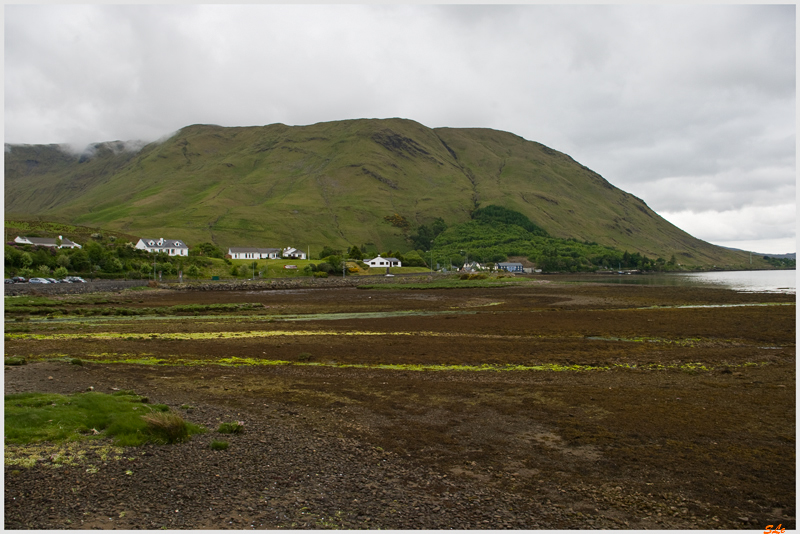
point(244, 253)
point(175, 247)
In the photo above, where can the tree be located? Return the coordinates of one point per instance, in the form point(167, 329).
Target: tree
point(12, 257)
point(207, 249)
point(94, 251)
point(438, 226)
point(412, 259)
point(79, 260)
point(26, 260)
point(61, 272)
point(355, 253)
point(112, 265)
point(193, 271)
point(328, 251)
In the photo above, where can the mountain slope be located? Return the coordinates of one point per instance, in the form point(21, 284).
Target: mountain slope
point(333, 183)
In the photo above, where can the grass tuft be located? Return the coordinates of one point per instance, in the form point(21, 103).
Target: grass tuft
point(236, 427)
point(219, 445)
point(167, 426)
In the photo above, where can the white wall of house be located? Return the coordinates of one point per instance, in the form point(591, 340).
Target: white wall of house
point(250, 253)
point(291, 252)
point(383, 262)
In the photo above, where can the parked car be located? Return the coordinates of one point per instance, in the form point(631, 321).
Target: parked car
point(52, 280)
point(76, 279)
point(9, 281)
point(18, 279)
point(64, 281)
point(39, 281)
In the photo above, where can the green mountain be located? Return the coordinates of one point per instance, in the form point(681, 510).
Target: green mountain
point(338, 183)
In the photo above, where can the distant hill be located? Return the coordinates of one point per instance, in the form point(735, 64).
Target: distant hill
point(789, 256)
point(367, 181)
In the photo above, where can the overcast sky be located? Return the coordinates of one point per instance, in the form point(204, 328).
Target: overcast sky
point(690, 108)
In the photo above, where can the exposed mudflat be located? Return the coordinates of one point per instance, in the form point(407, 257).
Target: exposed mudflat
point(597, 406)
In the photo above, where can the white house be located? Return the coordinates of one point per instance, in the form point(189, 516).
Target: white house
point(172, 247)
point(250, 253)
point(510, 266)
point(290, 252)
point(61, 242)
point(383, 262)
point(471, 267)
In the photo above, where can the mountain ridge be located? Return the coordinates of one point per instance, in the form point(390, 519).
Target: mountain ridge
point(333, 183)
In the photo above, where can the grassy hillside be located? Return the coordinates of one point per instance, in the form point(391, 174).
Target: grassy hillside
point(339, 183)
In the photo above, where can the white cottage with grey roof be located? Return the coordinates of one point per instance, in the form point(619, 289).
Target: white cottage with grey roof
point(383, 262)
point(172, 247)
point(251, 253)
point(61, 242)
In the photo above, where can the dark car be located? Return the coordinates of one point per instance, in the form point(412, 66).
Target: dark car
point(18, 279)
point(9, 281)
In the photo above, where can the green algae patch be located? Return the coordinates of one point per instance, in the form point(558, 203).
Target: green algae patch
point(235, 361)
point(250, 361)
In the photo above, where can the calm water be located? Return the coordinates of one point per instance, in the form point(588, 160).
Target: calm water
point(754, 281)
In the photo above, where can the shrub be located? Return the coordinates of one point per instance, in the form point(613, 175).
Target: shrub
point(15, 360)
point(325, 267)
point(236, 427)
point(219, 445)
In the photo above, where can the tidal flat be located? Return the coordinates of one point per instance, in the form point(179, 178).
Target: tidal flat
point(537, 404)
